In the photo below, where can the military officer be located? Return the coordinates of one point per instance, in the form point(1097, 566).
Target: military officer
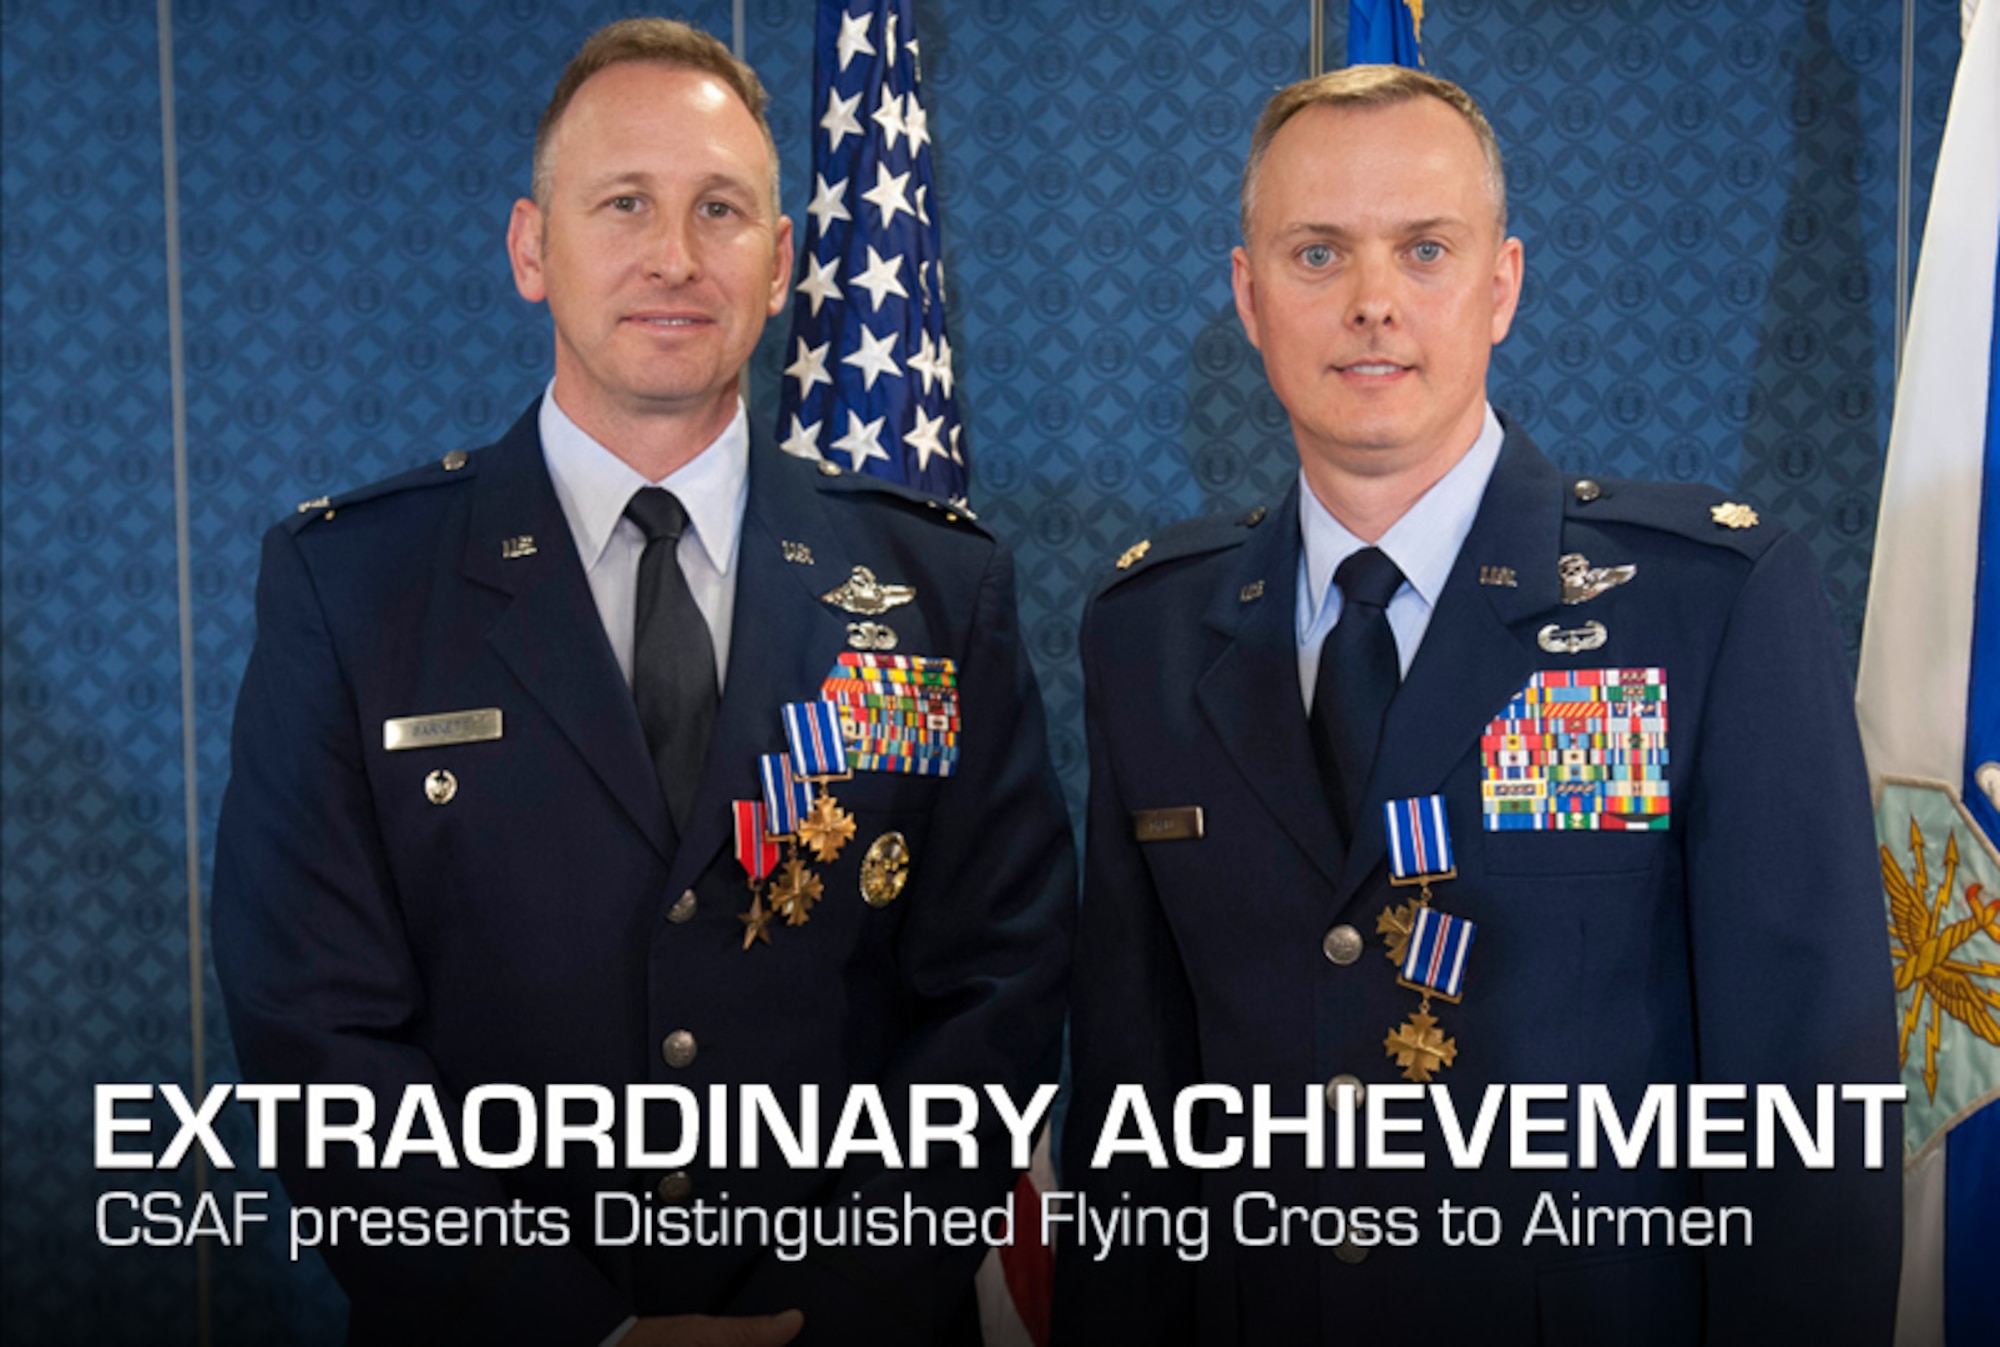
point(504, 715)
point(1621, 706)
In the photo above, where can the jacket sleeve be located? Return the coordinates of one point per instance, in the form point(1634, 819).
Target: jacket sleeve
point(1791, 963)
point(984, 960)
point(1132, 1021)
point(321, 987)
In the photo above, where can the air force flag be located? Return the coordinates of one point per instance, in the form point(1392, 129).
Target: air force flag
point(869, 383)
point(1929, 704)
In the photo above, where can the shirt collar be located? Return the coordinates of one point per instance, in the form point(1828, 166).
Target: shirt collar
point(594, 485)
point(1423, 543)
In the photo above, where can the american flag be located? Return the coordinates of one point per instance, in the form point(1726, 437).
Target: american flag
point(869, 382)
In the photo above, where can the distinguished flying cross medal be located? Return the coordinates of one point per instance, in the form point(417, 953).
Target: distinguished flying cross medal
point(819, 755)
point(758, 855)
point(1427, 946)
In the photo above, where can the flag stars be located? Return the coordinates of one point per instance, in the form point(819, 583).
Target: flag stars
point(874, 358)
point(889, 194)
point(839, 122)
point(817, 284)
point(923, 215)
point(810, 367)
point(925, 439)
point(883, 277)
point(924, 361)
point(888, 115)
point(862, 441)
point(854, 38)
point(829, 203)
point(916, 122)
point(803, 442)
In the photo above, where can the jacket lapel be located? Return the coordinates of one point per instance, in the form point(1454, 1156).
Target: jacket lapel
point(1475, 653)
point(1250, 691)
point(783, 641)
point(550, 635)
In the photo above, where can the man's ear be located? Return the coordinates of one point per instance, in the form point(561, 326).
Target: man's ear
point(1244, 286)
point(524, 250)
point(781, 277)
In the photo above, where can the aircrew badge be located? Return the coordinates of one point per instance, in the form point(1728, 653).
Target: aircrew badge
point(1578, 749)
point(1427, 946)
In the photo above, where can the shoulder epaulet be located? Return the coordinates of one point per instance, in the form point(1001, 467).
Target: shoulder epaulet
point(455, 466)
point(955, 511)
point(1687, 509)
point(1186, 538)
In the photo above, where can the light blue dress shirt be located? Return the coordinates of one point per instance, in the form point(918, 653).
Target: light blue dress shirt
point(594, 486)
point(1424, 544)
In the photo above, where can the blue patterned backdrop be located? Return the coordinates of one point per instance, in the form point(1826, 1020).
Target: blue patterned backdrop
point(1706, 188)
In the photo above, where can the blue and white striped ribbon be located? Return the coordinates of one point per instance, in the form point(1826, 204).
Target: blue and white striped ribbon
point(786, 798)
point(813, 730)
point(1419, 837)
point(1435, 958)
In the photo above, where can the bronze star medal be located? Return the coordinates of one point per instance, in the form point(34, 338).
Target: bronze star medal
point(756, 922)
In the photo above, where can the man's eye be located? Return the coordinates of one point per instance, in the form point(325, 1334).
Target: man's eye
point(717, 210)
point(1316, 255)
point(1428, 251)
point(626, 204)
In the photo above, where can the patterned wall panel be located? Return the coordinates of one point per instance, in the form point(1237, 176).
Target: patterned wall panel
point(1707, 189)
point(95, 983)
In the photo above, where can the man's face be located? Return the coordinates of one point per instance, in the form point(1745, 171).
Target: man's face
point(659, 250)
point(1376, 284)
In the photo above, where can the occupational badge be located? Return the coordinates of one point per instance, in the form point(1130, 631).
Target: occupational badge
point(1573, 641)
point(863, 594)
point(884, 868)
point(1578, 749)
point(1582, 581)
point(758, 855)
point(1427, 946)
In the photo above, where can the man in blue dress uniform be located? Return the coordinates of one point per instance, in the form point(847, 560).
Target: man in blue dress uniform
point(1612, 723)
point(488, 759)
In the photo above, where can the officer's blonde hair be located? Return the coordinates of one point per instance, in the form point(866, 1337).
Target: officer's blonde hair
point(666, 42)
point(1371, 86)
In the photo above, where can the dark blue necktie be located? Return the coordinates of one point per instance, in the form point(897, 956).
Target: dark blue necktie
point(673, 657)
point(1358, 677)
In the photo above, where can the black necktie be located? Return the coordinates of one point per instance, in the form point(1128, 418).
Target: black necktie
point(673, 658)
point(1358, 676)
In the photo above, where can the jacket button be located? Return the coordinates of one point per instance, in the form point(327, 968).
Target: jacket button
point(678, 1048)
point(1347, 1251)
point(1587, 491)
point(1343, 1081)
point(675, 1187)
point(1341, 945)
point(682, 909)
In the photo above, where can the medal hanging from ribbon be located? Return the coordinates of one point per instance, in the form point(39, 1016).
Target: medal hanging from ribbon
point(758, 855)
point(788, 804)
point(819, 755)
point(1427, 946)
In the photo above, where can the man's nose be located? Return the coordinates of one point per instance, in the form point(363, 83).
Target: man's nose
point(1372, 300)
point(670, 250)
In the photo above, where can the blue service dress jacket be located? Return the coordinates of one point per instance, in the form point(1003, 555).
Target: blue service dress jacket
point(533, 929)
point(1742, 944)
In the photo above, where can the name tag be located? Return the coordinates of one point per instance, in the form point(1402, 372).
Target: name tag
point(1167, 825)
point(441, 730)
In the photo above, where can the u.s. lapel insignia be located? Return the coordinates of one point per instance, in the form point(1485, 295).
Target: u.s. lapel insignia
point(513, 549)
point(871, 636)
point(884, 869)
point(1251, 592)
point(1574, 641)
point(796, 553)
point(863, 594)
point(1582, 582)
point(1733, 515)
point(1501, 576)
